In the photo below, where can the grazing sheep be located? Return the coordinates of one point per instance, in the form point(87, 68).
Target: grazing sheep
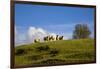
point(61, 38)
point(36, 40)
point(52, 38)
point(57, 37)
point(46, 38)
point(49, 38)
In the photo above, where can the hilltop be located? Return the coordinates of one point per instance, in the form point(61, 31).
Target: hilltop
point(61, 51)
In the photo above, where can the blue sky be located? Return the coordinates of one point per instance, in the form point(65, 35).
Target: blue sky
point(55, 19)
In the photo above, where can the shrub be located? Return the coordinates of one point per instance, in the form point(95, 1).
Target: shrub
point(20, 51)
point(34, 57)
point(53, 52)
point(43, 48)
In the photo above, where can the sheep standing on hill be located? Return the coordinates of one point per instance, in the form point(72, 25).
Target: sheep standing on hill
point(36, 40)
point(61, 38)
point(52, 38)
point(57, 37)
point(46, 38)
point(49, 38)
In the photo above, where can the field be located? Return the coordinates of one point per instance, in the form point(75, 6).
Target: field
point(54, 52)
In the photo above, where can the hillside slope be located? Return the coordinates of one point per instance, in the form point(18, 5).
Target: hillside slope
point(62, 51)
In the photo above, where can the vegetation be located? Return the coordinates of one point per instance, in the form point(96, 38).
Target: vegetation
point(81, 31)
point(42, 48)
point(20, 52)
point(54, 52)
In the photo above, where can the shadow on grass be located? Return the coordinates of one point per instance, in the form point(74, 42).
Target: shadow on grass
point(51, 61)
point(42, 48)
point(20, 52)
point(35, 57)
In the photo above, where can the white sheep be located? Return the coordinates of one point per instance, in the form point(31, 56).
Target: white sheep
point(36, 40)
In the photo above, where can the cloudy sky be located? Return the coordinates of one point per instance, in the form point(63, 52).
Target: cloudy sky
point(37, 21)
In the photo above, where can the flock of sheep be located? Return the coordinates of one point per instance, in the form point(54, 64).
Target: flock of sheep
point(49, 38)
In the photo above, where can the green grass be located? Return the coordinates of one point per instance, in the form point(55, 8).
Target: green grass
point(62, 51)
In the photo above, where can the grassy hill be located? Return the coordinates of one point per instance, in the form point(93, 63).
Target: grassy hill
point(62, 51)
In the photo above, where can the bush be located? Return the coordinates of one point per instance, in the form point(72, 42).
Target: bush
point(81, 31)
point(34, 57)
point(43, 48)
point(20, 51)
point(53, 52)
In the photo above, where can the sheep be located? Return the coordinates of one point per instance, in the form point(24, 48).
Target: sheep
point(36, 40)
point(52, 38)
point(46, 38)
point(57, 37)
point(61, 37)
point(49, 38)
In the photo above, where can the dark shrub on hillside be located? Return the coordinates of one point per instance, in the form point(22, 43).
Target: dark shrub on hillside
point(53, 52)
point(43, 48)
point(34, 57)
point(20, 52)
point(52, 61)
point(29, 49)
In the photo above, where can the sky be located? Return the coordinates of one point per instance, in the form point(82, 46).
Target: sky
point(37, 21)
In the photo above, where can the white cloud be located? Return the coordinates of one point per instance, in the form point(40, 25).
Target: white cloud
point(40, 33)
point(30, 35)
point(34, 33)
